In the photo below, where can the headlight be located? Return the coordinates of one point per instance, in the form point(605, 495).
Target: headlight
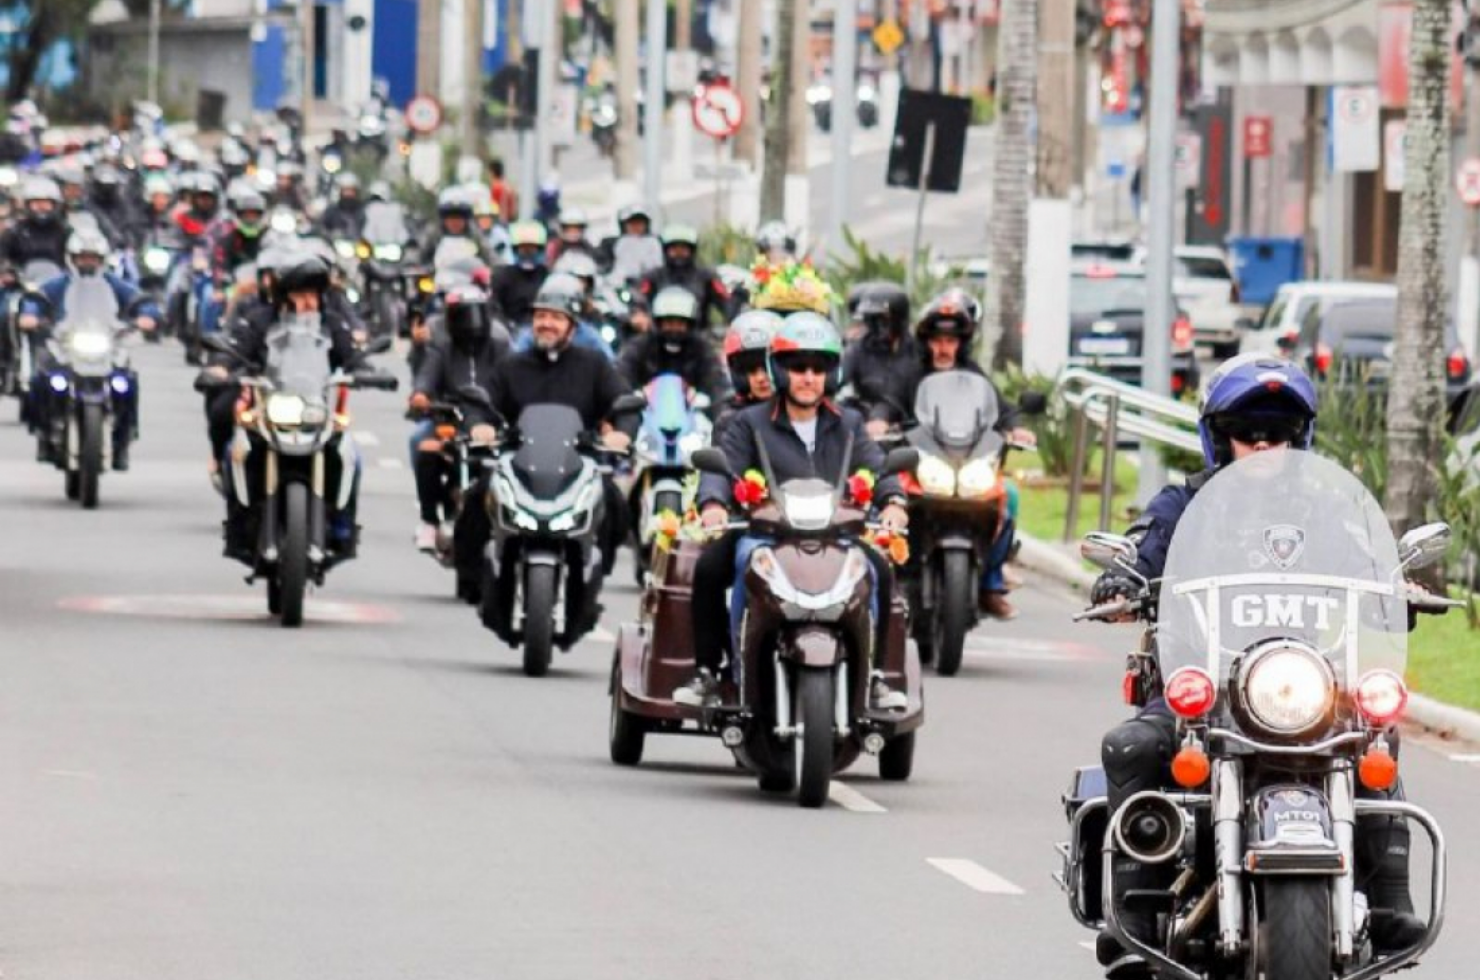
point(977, 478)
point(1286, 689)
point(90, 344)
point(8, 176)
point(315, 415)
point(285, 410)
point(157, 260)
point(936, 476)
point(691, 442)
point(390, 252)
point(808, 513)
point(285, 222)
point(345, 248)
point(332, 164)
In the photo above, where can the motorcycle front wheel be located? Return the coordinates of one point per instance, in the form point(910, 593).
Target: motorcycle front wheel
point(539, 618)
point(815, 753)
point(90, 456)
point(953, 612)
point(1297, 929)
point(292, 570)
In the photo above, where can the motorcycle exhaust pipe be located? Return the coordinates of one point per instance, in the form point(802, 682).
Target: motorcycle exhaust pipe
point(1150, 828)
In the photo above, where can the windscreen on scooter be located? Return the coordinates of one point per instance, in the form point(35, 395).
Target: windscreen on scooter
point(1283, 551)
point(298, 358)
point(547, 461)
point(38, 272)
point(91, 316)
point(666, 417)
point(957, 411)
point(385, 223)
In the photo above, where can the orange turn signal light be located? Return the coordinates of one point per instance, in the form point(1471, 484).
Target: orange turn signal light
point(246, 417)
point(445, 432)
point(1378, 770)
point(1190, 767)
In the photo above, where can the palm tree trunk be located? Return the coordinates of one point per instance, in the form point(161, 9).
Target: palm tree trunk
point(1012, 178)
point(778, 114)
point(1416, 408)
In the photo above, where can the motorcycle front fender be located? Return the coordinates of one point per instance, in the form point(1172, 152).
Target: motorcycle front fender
point(1291, 831)
point(814, 647)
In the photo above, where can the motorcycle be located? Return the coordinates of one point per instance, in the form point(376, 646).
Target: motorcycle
point(382, 272)
point(202, 309)
point(799, 709)
point(604, 118)
point(819, 97)
point(293, 416)
point(88, 368)
point(156, 256)
point(467, 459)
point(1280, 637)
point(673, 427)
point(546, 508)
point(960, 508)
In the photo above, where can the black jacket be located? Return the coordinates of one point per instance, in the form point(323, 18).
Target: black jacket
point(446, 368)
point(581, 378)
point(790, 460)
point(341, 220)
point(249, 337)
point(714, 299)
point(644, 358)
point(884, 381)
point(512, 291)
point(28, 240)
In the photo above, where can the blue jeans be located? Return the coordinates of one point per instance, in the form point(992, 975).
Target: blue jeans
point(1001, 548)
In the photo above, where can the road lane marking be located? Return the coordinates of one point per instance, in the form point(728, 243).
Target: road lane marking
point(974, 876)
point(849, 798)
point(1087, 945)
point(1467, 758)
point(366, 438)
point(391, 463)
point(240, 606)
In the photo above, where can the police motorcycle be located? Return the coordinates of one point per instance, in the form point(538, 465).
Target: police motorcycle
point(467, 460)
point(673, 427)
point(1280, 632)
point(959, 509)
point(17, 371)
point(800, 706)
point(543, 569)
point(88, 368)
point(385, 285)
point(292, 417)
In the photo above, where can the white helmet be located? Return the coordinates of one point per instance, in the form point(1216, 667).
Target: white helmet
point(86, 241)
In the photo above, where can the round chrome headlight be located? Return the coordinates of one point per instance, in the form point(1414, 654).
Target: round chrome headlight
point(1286, 689)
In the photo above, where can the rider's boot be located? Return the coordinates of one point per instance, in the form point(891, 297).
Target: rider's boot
point(1382, 845)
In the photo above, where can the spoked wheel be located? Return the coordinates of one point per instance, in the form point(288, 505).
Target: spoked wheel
point(292, 570)
point(1297, 929)
point(814, 758)
point(953, 615)
point(539, 618)
point(90, 456)
point(626, 732)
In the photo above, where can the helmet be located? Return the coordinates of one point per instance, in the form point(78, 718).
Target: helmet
point(573, 218)
point(880, 302)
point(86, 241)
point(773, 236)
point(348, 182)
point(453, 202)
point(675, 303)
point(561, 293)
point(1252, 389)
point(158, 184)
point(246, 201)
point(247, 198)
point(380, 190)
point(68, 175)
point(681, 235)
point(298, 273)
point(805, 333)
point(631, 212)
point(42, 189)
point(954, 313)
point(154, 159)
point(269, 259)
point(466, 316)
point(746, 344)
point(528, 233)
point(577, 264)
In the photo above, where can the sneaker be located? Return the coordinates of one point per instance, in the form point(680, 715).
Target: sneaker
point(697, 692)
point(996, 605)
point(426, 538)
point(886, 698)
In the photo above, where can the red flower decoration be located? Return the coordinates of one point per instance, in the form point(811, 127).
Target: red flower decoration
point(750, 489)
point(861, 488)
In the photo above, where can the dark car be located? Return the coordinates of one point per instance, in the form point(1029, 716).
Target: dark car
point(1107, 320)
point(1353, 339)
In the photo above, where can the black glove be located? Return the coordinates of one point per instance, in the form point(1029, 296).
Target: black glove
point(1113, 582)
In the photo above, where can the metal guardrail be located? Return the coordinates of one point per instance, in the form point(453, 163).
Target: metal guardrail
point(1118, 409)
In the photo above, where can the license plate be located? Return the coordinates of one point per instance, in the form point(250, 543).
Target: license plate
point(1105, 346)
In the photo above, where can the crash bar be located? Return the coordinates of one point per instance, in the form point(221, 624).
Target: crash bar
point(1116, 407)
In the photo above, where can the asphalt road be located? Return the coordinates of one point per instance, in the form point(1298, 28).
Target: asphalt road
point(193, 792)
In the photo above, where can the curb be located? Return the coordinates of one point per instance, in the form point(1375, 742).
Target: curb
point(1055, 562)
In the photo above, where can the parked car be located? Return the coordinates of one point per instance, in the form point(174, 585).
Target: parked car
point(1202, 281)
point(1107, 317)
point(1282, 318)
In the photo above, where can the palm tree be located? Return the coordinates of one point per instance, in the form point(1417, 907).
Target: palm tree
point(1012, 178)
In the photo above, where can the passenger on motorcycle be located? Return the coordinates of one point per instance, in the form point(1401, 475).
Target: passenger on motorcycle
point(675, 346)
point(40, 233)
point(944, 336)
point(775, 242)
point(1252, 403)
point(555, 371)
point(87, 252)
point(73, 182)
point(571, 236)
point(515, 286)
point(345, 218)
point(635, 250)
point(747, 343)
point(469, 356)
point(679, 268)
point(805, 436)
point(883, 366)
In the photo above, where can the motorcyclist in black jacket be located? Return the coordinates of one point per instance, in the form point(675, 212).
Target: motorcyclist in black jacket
point(514, 286)
point(883, 365)
point(468, 357)
point(73, 183)
point(680, 268)
point(675, 346)
point(345, 218)
point(41, 232)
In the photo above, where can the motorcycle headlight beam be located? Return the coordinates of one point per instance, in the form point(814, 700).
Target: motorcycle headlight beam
point(936, 476)
point(977, 478)
point(1287, 690)
point(285, 410)
point(89, 344)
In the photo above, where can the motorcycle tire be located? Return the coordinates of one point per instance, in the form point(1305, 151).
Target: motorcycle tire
point(387, 324)
point(814, 759)
point(292, 570)
point(897, 760)
point(274, 596)
point(469, 587)
point(953, 617)
point(539, 619)
point(626, 732)
point(73, 485)
point(1297, 929)
point(90, 457)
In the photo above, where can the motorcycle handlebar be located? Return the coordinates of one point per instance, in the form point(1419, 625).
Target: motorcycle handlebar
point(1109, 610)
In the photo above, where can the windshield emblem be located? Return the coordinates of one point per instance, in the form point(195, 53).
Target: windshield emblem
point(1284, 543)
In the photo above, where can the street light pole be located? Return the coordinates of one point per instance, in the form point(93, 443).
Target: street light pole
point(154, 51)
point(1156, 349)
point(844, 111)
point(652, 110)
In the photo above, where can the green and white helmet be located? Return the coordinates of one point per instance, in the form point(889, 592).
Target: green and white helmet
point(675, 303)
point(806, 334)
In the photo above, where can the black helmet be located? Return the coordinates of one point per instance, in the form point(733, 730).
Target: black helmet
point(562, 293)
point(954, 313)
point(466, 315)
point(883, 306)
point(306, 272)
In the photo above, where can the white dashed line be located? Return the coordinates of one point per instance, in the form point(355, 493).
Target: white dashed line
point(391, 463)
point(849, 798)
point(1468, 759)
point(366, 438)
point(974, 876)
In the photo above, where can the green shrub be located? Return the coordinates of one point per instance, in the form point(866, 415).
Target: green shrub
point(726, 244)
point(1054, 428)
point(1352, 430)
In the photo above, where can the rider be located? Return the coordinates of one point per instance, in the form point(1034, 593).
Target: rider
point(636, 251)
point(40, 234)
point(776, 242)
point(108, 202)
point(153, 220)
point(675, 346)
point(571, 235)
point(73, 182)
point(680, 247)
point(586, 335)
point(805, 436)
point(238, 239)
point(87, 252)
point(515, 286)
point(345, 218)
point(883, 366)
point(746, 344)
point(455, 222)
point(469, 356)
point(1251, 404)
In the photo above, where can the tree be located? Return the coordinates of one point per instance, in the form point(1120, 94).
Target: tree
point(778, 114)
point(1012, 177)
point(43, 24)
point(1416, 408)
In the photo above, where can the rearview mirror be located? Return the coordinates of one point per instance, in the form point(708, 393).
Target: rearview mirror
point(1106, 550)
point(902, 459)
point(711, 460)
point(1033, 403)
point(1424, 545)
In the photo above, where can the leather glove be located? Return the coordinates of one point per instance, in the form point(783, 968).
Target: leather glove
point(1111, 583)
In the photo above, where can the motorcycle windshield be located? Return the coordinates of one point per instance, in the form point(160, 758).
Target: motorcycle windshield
point(385, 223)
point(957, 408)
point(298, 357)
point(91, 315)
point(451, 251)
point(667, 413)
point(547, 461)
point(1283, 546)
point(40, 271)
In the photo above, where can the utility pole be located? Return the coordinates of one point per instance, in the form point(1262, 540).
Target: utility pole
point(428, 47)
point(306, 9)
point(683, 24)
point(1056, 98)
point(1012, 180)
point(778, 113)
point(154, 51)
point(801, 60)
point(472, 76)
point(748, 80)
point(626, 14)
point(844, 111)
point(1160, 179)
point(652, 118)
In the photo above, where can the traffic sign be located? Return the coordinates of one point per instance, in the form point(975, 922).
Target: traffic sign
point(423, 115)
point(718, 110)
point(1188, 159)
point(1467, 182)
point(1258, 136)
point(888, 37)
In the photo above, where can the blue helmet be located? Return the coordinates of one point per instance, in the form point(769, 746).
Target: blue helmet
point(1260, 391)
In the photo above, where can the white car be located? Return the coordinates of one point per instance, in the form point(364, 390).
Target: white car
point(1203, 282)
point(1278, 329)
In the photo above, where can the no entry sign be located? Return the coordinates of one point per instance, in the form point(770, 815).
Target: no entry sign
point(718, 110)
point(423, 115)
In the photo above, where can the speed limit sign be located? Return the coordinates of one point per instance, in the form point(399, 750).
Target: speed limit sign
point(423, 115)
